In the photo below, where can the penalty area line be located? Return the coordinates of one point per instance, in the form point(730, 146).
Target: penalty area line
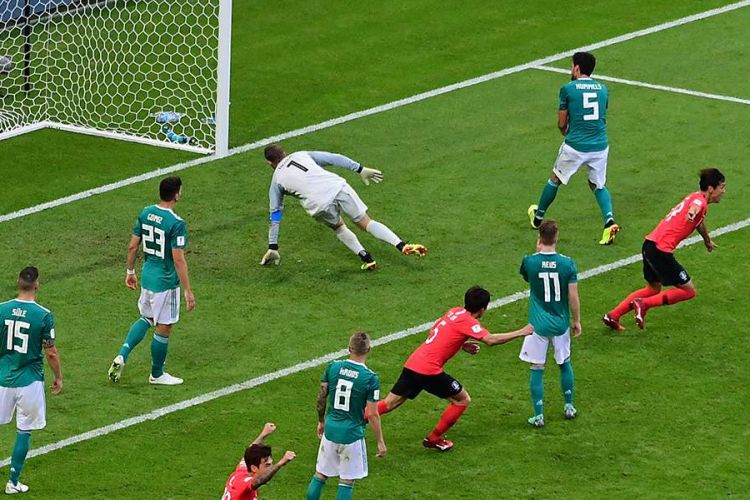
point(319, 361)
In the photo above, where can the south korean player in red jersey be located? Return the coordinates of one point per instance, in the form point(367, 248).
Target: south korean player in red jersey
point(660, 268)
point(255, 469)
point(424, 369)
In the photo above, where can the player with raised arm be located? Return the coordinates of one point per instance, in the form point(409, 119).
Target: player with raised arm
point(26, 331)
point(553, 284)
point(347, 389)
point(660, 268)
point(424, 370)
point(164, 237)
point(325, 196)
point(582, 120)
point(255, 469)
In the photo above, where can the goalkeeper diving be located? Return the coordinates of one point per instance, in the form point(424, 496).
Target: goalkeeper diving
point(325, 196)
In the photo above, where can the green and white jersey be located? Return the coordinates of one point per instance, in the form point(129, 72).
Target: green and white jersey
point(586, 101)
point(350, 386)
point(160, 230)
point(25, 328)
point(548, 275)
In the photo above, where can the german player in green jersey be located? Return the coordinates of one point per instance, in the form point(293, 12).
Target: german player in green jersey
point(26, 331)
point(582, 120)
point(553, 283)
point(349, 387)
point(163, 235)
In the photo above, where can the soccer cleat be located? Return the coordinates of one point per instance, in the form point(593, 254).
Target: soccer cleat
point(612, 323)
point(165, 379)
point(608, 236)
point(441, 444)
point(537, 421)
point(569, 411)
point(369, 266)
point(532, 217)
point(12, 489)
point(115, 370)
point(640, 313)
point(414, 249)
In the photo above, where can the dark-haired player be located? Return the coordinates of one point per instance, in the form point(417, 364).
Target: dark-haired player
point(660, 268)
point(255, 469)
point(26, 330)
point(164, 237)
point(553, 284)
point(424, 368)
point(582, 120)
point(325, 196)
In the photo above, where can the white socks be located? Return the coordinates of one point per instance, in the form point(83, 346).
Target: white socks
point(381, 232)
point(348, 238)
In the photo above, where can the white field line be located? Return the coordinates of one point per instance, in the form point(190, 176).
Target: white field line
point(313, 363)
point(372, 111)
point(635, 83)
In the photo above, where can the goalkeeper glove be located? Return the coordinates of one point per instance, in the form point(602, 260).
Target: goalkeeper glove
point(370, 174)
point(270, 257)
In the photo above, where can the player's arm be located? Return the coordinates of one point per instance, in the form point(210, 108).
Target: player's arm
point(131, 281)
point(501, 338)
point(324, 158)
point(707, 241)
point(180, 265)
point(562, 121)
point(575, 307)
point(53, 359)
point(268, 429)
point(276, 207)
point(263, 477)
point(377, 429)
point(320, 406)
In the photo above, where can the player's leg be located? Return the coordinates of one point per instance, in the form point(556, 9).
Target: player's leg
point(350, 240)
point(408, 386)
point(561, 345)
point(653, 287)
point(566, 164)
point(353, 466)
point(597, 164)
point(673, 274)
point(459, 403)
point(31, 416)
point(135, 335)
point(534, 352)
point(345, 490)
point(167, 313)
point(315, 488)
point(8, 399)
point(327, 465)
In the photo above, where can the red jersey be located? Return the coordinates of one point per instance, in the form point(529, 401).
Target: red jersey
point(446, 337)
point(679, 222)
point(240, 485)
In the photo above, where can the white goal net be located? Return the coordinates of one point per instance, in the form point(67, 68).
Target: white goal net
point(142, 70)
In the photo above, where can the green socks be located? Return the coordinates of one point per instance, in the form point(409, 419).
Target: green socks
point(604, 200)
point(536, 385)
point(135, 335)
point(20, 450)
point(315, 489)
point(548, 196)
point(345, 491)
point(567, 381)
point(159, 346)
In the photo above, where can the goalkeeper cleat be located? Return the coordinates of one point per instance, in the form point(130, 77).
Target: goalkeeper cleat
point(115, 370)
point(533, 220)
point(640, 313)
point(369, 266)
point(537, 421)
point(569, 411)
point(12, 489)
point(612, 323)
point(164, 379)
point(441, 444)
point(414, 249)
point(608, 236)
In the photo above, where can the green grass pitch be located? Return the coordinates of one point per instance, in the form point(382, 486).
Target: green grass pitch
point(662, 411)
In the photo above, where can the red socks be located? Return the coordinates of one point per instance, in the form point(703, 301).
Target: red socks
point(671, 296)
point(449, 417)
point(624, 306)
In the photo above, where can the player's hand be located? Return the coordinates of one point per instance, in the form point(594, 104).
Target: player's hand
point(710, 245)
point(189, 300)
point(131, 281)
point(270, 257)
point(471, 347)
point(577, 329)
point(268, 429)
point(288, 457)
point(382, 450)
point(527, 330)
point(321, 429)
point(370, 174)
point(56, 386)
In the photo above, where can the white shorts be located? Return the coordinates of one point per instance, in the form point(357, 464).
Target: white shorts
point(534, 348)
point(161, 307)
point(347, 201)
point(29, 401)
point(570, 160)
point(347, 461)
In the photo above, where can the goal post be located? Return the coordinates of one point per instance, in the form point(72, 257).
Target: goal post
point(149, 71)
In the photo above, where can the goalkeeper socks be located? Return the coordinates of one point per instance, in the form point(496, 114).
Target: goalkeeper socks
point(348, 238)
point(159, 346)
point(315, 490)
point(135, 335)
point(548, 196)
point(567, 381)
point(344, 492)
point(381, 232)
point(20, 450)
point(447, 420)
point(536, 385)
point(624, 306)
point(667, 297)
point(604, 199)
